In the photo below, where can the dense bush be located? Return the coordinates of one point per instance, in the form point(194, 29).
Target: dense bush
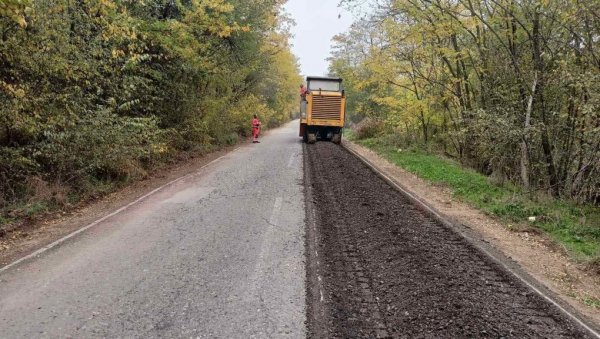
point(99, 91)
point(368, 128)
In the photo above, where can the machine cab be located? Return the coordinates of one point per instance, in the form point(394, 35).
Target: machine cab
point(324, 84)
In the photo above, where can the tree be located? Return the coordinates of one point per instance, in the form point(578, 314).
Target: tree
point(486, 80)
point(97, 92)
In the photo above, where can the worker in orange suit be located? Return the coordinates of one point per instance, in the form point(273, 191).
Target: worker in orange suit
point(255, 129)
point(303, 92)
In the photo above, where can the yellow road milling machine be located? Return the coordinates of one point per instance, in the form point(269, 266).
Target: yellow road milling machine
point(322, 110)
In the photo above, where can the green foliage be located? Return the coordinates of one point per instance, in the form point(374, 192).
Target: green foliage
point(103, 146)
point(93, 93)
point(15, 10)
point(577, 227)
point(368, 128)
point(592, 302)
point(510, 88)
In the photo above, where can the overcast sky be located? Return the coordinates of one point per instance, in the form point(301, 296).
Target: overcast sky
point(316, 23)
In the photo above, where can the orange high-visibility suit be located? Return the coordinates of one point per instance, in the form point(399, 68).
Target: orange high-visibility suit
point(255, 129)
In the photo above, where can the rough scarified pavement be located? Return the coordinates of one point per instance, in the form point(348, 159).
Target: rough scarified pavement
point(219, 254)
point(387, 270)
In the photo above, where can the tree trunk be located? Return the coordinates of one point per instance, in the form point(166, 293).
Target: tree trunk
point(540, 69)
point(525, 162)
point(424, 127)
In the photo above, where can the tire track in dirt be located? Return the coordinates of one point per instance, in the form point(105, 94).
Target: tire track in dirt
point(389, 270)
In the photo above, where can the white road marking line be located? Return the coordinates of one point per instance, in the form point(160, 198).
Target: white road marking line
point(85, 228)
point(276, 209)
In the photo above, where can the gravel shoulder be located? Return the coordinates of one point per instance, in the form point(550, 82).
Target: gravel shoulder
point(532, 251)
point(390, 270)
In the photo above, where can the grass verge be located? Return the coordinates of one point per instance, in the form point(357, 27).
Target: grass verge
point(576, 227)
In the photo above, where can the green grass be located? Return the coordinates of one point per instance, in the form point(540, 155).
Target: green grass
point(577, 227)
point(4, 220)
point(36, 208)
point(592, 302)
point(349, 134)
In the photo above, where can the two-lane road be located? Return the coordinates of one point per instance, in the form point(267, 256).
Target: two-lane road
point(221, 254)
point(217, 254)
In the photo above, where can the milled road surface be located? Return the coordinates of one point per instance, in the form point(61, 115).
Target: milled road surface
point(218, 254)
point(382, 268)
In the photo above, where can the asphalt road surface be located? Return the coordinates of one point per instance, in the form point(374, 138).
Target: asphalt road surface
point(218, 254)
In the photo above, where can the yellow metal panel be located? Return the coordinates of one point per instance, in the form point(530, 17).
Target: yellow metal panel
point(329, 94)
point(324, 121)
point(343, 110)
point(308, 107)
point(320, 122)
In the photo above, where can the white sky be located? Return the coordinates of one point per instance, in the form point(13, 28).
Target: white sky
point(316, 23)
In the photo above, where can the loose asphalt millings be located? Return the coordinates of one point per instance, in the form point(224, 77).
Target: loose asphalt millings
point(380, 267)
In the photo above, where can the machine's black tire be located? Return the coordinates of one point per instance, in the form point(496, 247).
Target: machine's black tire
point(336, 138)
point(305, 137)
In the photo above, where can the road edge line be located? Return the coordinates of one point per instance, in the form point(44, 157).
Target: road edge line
point(112, 214)
point(440, 217)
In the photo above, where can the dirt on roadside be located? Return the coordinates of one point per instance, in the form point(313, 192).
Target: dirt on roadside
point(533, 251)
point(387, 269)
point(32, 235)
